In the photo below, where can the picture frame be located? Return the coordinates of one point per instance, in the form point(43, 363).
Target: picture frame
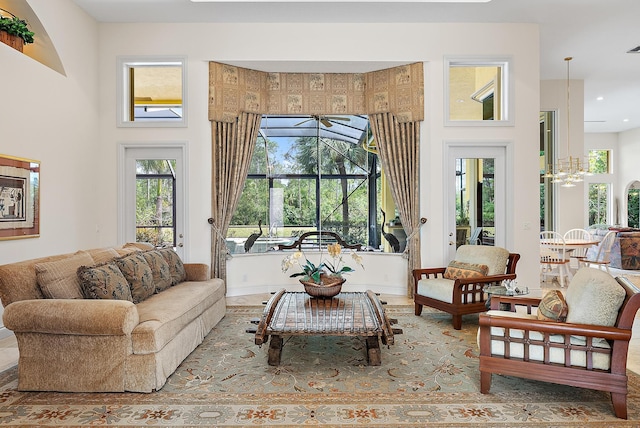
point(19, 198)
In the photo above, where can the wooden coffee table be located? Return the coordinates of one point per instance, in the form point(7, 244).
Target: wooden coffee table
point(347, 314)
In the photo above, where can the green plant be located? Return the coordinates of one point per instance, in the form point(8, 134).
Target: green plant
point(311, 272)
point(16, 27)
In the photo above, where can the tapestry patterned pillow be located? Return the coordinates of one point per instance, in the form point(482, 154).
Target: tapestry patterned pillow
point(176, 267)
point(457, 270)
point(104, 281)
point(138, 273)
point(553, 307)
point(159, 269)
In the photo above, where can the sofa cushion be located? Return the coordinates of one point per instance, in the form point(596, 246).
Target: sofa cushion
point(102, 255)
point(176, 267)
point(458, 269)
point(594, 297)
point(494, 257)
point(104, 281)
point(159, 269)
point(164, 314)
point(553, 307)
point(59, 280)
point(536, 353)
point(138, 273)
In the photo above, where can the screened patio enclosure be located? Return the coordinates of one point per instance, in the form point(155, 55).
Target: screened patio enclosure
point(310, 173)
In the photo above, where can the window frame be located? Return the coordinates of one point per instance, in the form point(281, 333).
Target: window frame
point(124, 65)
point(506, 89)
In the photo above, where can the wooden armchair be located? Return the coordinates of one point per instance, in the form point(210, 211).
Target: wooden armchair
point(575, 352)
point(462, 296)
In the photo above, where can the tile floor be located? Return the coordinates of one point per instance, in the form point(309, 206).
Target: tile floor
point(9, 347)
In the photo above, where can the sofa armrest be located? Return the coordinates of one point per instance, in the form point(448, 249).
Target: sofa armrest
point(197, 271)
point(72, 317)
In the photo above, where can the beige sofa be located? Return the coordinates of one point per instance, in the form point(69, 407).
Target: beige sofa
point(107, 342)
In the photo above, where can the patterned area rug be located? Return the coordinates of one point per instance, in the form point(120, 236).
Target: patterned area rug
point(428, 377)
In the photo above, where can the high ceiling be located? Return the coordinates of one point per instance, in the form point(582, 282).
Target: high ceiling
point(596, 33)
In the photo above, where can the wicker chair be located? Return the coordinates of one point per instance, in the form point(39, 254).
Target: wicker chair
point(463, 296)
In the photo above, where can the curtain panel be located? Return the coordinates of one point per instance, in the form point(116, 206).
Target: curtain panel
point(232, 149)
point(399, 148)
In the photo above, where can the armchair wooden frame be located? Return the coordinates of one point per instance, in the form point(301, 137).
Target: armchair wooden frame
point(613, 380)
point(468, 295)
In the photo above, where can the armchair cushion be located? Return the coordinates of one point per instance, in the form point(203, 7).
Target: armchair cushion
point(437, 288)
point(458, 269)
point(553, 307)
point(594, 297)
point(494, 257)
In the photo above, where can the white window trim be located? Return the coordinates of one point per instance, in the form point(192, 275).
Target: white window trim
point(122, 92)
point(507, 101)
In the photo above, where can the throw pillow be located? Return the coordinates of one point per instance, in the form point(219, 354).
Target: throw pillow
point(138, 274)
point(159, 269)
point(553, 307)
point(594, 297)
point(458, 269)
point(176, 267)
point(103, 255)
point(104, 281)
point(58, 280)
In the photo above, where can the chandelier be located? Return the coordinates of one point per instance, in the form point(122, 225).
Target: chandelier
point(570, 170)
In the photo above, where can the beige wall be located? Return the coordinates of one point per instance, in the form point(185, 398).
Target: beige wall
point(71, 121)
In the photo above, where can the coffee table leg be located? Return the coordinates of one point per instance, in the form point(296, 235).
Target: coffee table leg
point(275, 350)
point(373, 351)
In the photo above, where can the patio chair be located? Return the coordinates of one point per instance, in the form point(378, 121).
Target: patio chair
point(588, 350)
point(476, 237)
point(458, 289)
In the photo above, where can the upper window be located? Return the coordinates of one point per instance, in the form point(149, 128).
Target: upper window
point(477, 92)
point(152, 92)
point(599, 162)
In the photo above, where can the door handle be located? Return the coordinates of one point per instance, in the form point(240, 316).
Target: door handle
point(180, 244)
point(452, 243)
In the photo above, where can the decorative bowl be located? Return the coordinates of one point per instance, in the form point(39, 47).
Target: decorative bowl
point(326, 289)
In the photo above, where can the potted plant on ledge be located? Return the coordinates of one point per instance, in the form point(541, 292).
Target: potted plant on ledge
point(14, 31)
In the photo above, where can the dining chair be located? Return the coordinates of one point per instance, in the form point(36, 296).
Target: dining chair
point(600, 255)
point(553, 257)
point(577, 253)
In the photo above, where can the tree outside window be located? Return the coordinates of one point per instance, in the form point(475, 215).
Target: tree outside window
point(598, 203)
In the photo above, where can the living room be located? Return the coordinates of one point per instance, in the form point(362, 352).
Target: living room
point(67, 120)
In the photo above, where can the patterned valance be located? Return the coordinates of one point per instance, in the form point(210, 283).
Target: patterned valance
point(399, 90)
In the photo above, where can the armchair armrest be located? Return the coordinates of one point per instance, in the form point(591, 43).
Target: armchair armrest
point(587, 330)
point(71, 317)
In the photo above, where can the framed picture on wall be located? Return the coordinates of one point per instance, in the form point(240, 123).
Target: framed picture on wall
point(19, 198)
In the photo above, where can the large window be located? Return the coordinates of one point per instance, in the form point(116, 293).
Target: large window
point(598, 203)
point(310, 173)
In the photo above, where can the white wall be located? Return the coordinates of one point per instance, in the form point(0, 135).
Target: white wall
point(570, 202)
point(71, 125)
point(295, 45)
point(54, 119)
